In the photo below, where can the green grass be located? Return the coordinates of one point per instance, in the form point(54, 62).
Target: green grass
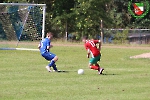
point(23, 75)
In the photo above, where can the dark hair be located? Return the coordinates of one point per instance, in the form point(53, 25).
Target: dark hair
point(84, 37)
point(50, 33)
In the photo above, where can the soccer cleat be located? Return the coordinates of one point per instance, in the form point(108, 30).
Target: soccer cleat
point(55, 70)
point(48, 68)
point(100, 70)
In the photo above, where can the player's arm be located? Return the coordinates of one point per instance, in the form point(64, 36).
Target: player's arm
point(88, 53)
point(49, 45)
point(100, 43)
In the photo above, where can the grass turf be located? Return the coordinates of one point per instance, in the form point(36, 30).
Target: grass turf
point(23, 75)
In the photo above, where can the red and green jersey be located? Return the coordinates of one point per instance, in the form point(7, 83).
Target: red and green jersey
point(90, 45)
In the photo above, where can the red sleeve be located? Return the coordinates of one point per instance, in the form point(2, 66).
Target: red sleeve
point(86, 46)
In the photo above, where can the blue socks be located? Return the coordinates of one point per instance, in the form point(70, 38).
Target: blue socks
point(54, 67)
point(52, 63)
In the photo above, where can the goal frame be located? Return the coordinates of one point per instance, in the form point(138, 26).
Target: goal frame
point(31, 4)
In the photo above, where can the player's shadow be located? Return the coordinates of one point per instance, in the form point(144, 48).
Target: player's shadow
point(63, 71)
point(109, 74)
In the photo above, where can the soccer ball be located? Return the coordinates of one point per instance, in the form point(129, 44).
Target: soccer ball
point(80, 71)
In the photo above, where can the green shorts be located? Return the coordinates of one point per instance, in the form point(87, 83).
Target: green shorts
point(95, 59)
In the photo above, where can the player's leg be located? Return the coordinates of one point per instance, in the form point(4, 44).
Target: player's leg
point(94, 67)
point(52, 58)
point(92, 64)
point(46, 56)
point(100, 70)
point(54, 67)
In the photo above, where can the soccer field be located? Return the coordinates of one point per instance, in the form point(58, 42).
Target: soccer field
point(23, 75)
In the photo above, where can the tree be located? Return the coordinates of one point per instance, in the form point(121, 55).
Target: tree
point(122, 18)
point(88, 14)
point(83, 16)
point(61, 14)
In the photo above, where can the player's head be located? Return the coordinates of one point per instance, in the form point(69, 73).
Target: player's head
point(84, 39)
point(49, 35)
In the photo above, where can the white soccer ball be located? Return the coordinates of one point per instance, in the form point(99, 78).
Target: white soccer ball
point(80, 71)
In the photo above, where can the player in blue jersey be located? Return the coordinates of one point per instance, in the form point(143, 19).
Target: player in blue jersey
point(44, 47)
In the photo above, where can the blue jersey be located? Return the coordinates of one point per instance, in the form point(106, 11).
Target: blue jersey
point(44, 43)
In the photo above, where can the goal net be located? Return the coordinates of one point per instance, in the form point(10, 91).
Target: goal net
point(21, 22)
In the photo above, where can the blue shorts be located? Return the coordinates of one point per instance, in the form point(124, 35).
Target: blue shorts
point(48, 55)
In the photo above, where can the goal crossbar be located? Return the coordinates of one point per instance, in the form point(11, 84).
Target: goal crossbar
point(23, 4)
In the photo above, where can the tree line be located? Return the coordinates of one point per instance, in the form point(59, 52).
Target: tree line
point(83, 17)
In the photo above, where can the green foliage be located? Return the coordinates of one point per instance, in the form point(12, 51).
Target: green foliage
point(83, 16)
point(121, 37)
point(122, 18)
point(89, 13)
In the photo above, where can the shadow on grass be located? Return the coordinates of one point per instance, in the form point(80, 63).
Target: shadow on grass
point(109, 74)
point(63, 71)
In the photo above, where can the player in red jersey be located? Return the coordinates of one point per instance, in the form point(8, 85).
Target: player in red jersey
point(90, 46)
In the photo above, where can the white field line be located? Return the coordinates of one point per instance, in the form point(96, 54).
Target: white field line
point(27, 49)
